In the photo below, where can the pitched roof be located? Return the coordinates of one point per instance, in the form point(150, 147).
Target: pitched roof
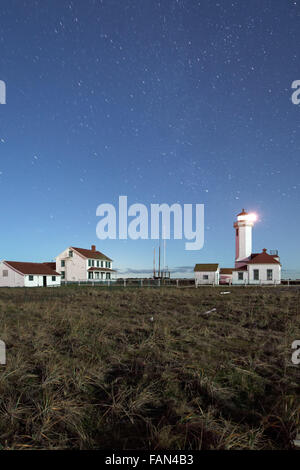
point(51, 265)
point(206, 267)
point(102, 269)
point(242, 213)
point(244, 267)
point(32, 268)
point(253, 255)
point(91, 254)
point(226, 270)
point(263, 258)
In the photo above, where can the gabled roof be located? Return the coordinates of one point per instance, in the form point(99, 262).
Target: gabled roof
point(32, 268)
point(206, 267)
point(244, 267)
point(263, 258)
point(253, 255)
point(91, 254)
point(226, 270)
point(51, 265)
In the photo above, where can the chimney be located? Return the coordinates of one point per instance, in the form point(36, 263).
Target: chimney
point(93, 247)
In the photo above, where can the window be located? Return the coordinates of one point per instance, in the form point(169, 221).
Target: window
point(53, 278)
point(62, 263)
point(240, 276)
point(71, 254)
point(5, 273)
point(256, 274)
point(93, 262)
point(107, 275)
point(270, 274)
point(96, 275)
point(205, 276)
point(107, 264)
point(30, 277)
point(90, 275)
point(62, 274)
point(101, 264)
point(90, 262)
point(98, 263)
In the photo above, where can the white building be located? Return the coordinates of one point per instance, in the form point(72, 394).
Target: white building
point(208, 273)
point(252, 268)
point(260, 268)
point(19, 274)
point(80, 264)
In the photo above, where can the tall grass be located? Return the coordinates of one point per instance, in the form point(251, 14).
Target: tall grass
point(149, 369)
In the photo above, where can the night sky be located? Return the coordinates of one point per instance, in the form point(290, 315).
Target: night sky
point(163, 101)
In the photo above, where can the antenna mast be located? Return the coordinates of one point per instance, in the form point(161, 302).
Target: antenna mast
point(159, 260)
point(164, 242)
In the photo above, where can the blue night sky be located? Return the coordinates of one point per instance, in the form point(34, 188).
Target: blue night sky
point(163, 101)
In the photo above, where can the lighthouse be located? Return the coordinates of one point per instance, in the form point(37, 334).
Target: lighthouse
point(243, 236)
point(250, 268)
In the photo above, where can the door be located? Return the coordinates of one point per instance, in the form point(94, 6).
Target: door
point(45, 281)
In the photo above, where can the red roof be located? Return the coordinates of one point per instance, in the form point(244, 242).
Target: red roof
point(93, 254)
point(241, 268)
point(51, 265)
point(226, 270)
point(101, 269)
point(263, 258)
point(32, 268)
point(242, 213)
point(253, 255)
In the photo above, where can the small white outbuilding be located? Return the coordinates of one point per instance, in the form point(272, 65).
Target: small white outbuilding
point(22, 274)
point(206, 274)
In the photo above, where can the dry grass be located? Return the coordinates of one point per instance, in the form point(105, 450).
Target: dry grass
point(87, 368)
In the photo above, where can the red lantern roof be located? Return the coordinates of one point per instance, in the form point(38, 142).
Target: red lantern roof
point(242, 213)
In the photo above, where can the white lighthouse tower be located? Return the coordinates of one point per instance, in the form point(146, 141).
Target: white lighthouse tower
point(243, 237)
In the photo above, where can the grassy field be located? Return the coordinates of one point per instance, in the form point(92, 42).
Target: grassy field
point(149, 369)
